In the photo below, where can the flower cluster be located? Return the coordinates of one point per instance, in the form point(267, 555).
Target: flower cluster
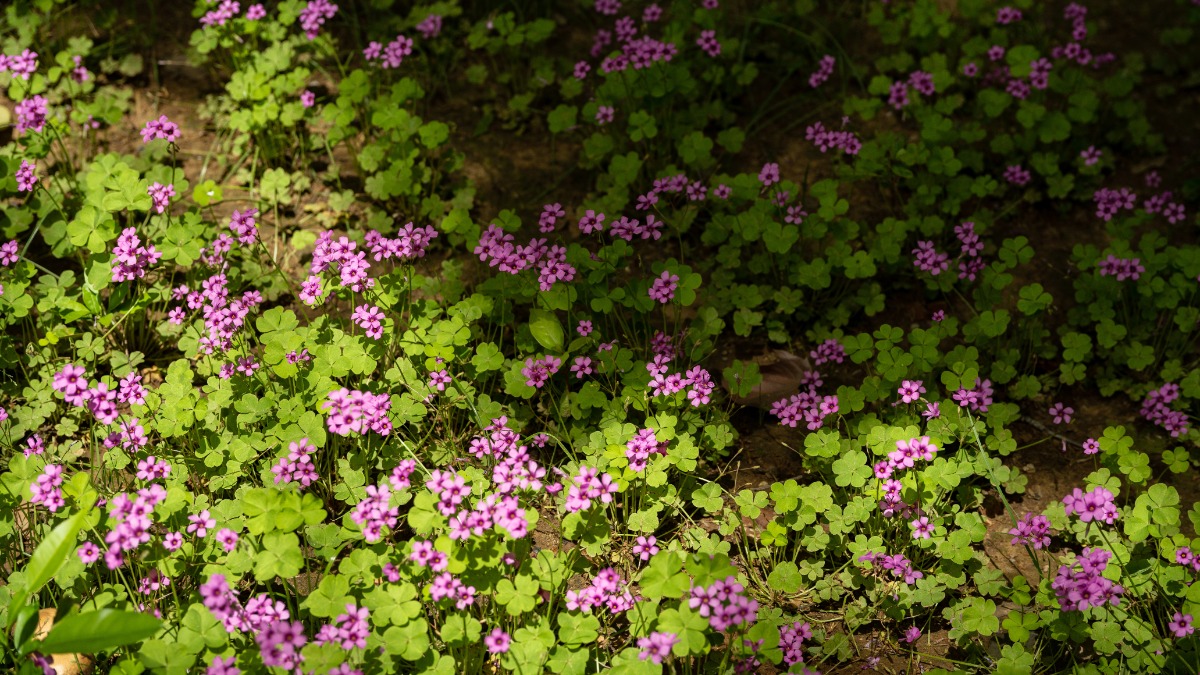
point(897, 565)
point(374, 513)
point(724, 603)
point(25, 176)
point(970, 262)
point(496, 246)
point(46, 489)
point(791, 641)
point(31, 114)
point(1032, 530)
point(391, 56)
point(1156, 409)
point(828, 139)
point(978, 398)
point(639, 449)
point(608, 590)
point(1079, 589)
point(538, 371)
point(22, 65)
point(1110, 202)
point(1121, 268)
point(928, 259)
point(370, 318)
point(297, 466)
point(823, 71)
point(357, 412)
point(656, 647)
point(160, 195)
point(130, 258)
point(349, 630)
point(314, 15)
point(1017, 175)
point(160, 128)
point(1096, 504)
point(589, 485)
point(663, 288)
point(807, 406)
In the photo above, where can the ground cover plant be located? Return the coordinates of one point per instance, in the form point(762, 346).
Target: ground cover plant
point(691, 336)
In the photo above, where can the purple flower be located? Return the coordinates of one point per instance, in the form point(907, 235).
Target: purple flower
point(31, 114)
point(912, 634)
point(645, 547)
point(297, 465)
point(604, 114)
point(657, 646)
point(314, 15)
point(357, 412)
point(708, 42)
point(430, 26)
point(200, 523)
point(1098, 504)
point(1061, 414)
point(922, 528)
point(161, 195)
point(160, 128)
point(497, 641)
point(1181, 625)
point(370, 318)
point(1031, 530)
point(25, 176)
point(1091, 156)
point(769, 174)
point(663, 288)
point(130, 258)
point(224, 665)
point(582, 367)
point(227, 538)
point(824, 70)
point(255, 12)
point(438, 379)
point(910, 391)
point(307, 98)
point(538, 371)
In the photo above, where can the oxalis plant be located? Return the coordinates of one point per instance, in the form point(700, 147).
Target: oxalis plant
point(288, 385)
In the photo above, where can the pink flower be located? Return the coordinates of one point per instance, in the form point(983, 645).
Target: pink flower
point(228, 539)
point(497, 641)
point(1061, 414)
point(663, 288)
point(25, 176)
point(160, 128)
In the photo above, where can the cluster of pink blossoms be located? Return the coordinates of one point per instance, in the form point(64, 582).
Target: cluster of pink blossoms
point(223, 317)
point(807, 406)
point(374, 512)
point(1156, 409)
point(724, 603)
point(357, 412)
point(46, 489)
point(1032, 530)
point(608, 590)
point(102, 401)
point(160, 195)
point(1079, 589)
point(587, 486)
point(656, 647)
point(823, 71)
point(160, 128)
point(1121, 268)
point(390, 56)
point(297, 466)
point(446, 586)
point(314, 15)
point(31, 114)
point(538, 371)
point(897, 565)
point(829, 139)
point(25, 176)
point(640, 448)
point(1097, 504)
point(130, 258)
point(791, 641)
point(1111, 202)
point(978, 398)
point(497, 248)
point(348, 631)
point(22, 65)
